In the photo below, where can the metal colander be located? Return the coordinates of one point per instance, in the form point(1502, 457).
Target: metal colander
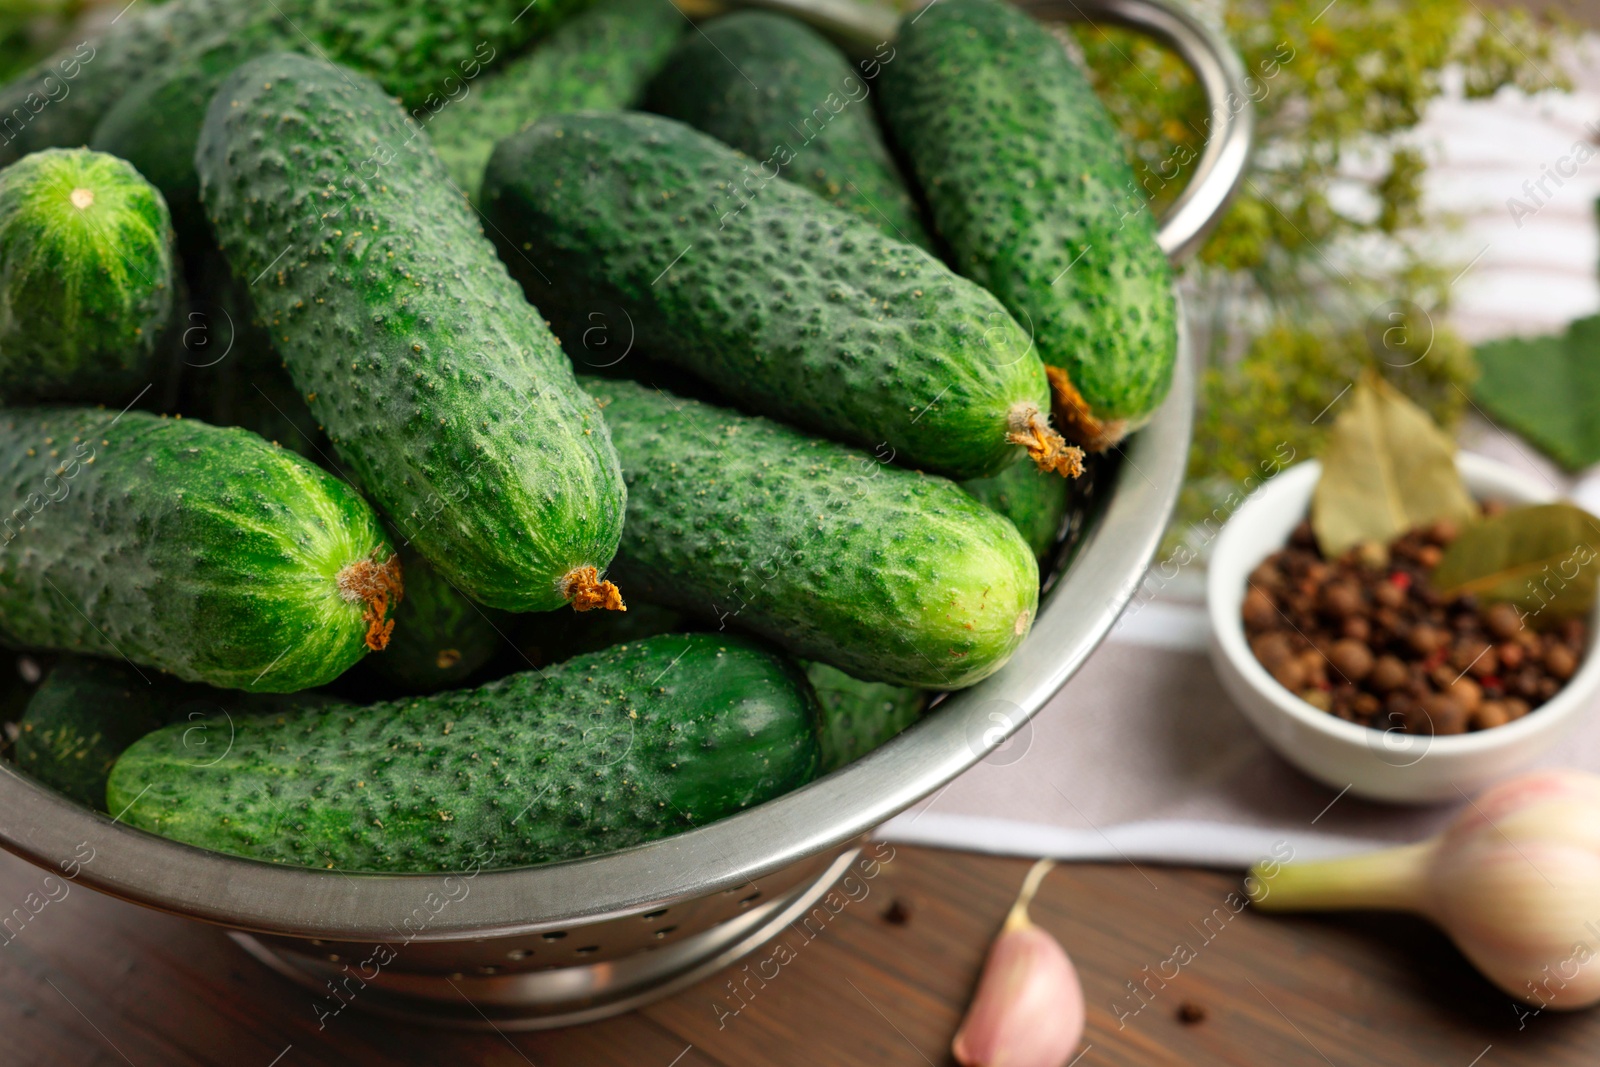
point(575, 941)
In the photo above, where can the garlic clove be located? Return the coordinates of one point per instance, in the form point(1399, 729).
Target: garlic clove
point(1029, 1009)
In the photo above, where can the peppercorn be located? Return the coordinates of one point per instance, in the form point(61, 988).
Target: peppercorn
point(1560, 662)
point(1503, 621)
point(1424, 639)
point(1489, 714)
point(1340, 600)
point(1389, 595)
point(1259, 612)
point(1387, 674)
point(1466, 692)
point(1352, 659)
point(1445, 714)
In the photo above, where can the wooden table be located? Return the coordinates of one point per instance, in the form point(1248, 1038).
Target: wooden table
point(93, 981)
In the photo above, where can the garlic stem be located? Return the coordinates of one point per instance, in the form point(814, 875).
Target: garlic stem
point(1394, 879)
point(1017, 917)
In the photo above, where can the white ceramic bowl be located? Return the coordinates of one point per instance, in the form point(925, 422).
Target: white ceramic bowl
point(1381, 764)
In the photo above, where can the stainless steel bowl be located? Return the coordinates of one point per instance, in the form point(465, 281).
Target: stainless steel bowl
point(570, 942)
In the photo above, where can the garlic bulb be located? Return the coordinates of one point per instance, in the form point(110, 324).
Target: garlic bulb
point(1514, 881)
point(1028, 1011)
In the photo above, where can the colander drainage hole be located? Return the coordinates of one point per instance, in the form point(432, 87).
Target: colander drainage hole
point(751, 899)
point(586, 950)
point(554, 935)
point(519, 954)
point(488, 968)
point(664, 931)
point(651, 916)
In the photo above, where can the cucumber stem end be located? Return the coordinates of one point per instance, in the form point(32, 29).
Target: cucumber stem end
point(377, 586)
point(1031, 429)
point(586, 590)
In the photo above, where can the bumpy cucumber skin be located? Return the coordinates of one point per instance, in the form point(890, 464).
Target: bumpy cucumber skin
point(889, 574)
point(598, 753)
point(87, 711)
point(1034, 501)
point(805, 98)
point(86, 277)
point(421, 50)
point(440, 636)
point(859, 716)
point(1024, 174)
point(790, 306)
point(198, 550)
point(443, 391)
point(598, 61)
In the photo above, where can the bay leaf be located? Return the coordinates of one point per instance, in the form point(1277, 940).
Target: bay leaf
point(1543, 559)
point(1386, 469)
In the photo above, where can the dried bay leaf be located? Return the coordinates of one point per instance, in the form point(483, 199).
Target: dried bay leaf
point(1547, 389)
point(1386, 469)
point(1543, 559)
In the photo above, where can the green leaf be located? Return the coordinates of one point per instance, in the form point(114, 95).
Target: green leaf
point(1547, 389)
point(1386, 469)
point(1539, 558)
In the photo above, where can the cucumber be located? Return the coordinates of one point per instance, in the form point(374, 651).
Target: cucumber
point(423, 52)
point(1035, 503)
point(859, 716)
point(444, 393)
point(792, 307)
point(889, 574)
point(78, 722)
point(595, 754)
point(440, 635)
point(1027, 182)
point(201, 551)
point(597, 61)
point(776, 89)
point(156, 123)
point(86, 278)
point(87, 711)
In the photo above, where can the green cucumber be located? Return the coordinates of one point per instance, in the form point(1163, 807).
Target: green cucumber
point(1027, 182)
point(444, 393)
point(598, 61)
point(774, 88)
point(859, 716)
point(889, 574)
point(423, 52)
point(84, 713)
point(88, 711)
point(86, 278)
point(201, 551)
point(440, 635)
point(598, 753)
point(156, 123)
point(784, 303)
point(1035, 503)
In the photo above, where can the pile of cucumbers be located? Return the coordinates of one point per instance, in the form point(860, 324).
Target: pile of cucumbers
point(429, 426)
